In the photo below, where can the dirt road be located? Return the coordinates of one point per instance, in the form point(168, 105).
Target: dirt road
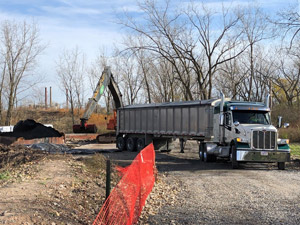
point(70, 190)
point(213, 193)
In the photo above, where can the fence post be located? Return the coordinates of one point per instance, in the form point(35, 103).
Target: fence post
point(108, 176)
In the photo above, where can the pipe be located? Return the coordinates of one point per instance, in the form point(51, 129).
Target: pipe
point(267, 100)
point(222, 96)
point(221, 121)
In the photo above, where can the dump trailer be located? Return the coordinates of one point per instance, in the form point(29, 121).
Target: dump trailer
point(234, 130)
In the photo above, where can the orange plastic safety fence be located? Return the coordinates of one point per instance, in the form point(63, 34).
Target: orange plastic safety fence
point(126, 201)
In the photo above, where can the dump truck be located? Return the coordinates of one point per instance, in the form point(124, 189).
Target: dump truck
point(234, 130)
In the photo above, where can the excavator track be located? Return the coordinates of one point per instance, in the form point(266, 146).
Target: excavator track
point(106, 138)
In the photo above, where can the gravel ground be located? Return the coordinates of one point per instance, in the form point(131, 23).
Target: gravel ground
point(192, 192)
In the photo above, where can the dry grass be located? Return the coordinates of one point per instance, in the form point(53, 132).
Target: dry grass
point(295, 149)
point(289, 115)
point(60, 118)
point(96, 166)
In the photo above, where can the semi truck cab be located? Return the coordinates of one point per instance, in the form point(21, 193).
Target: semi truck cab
point(243, 133)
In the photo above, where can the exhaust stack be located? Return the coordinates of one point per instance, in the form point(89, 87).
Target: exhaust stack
point(221, 122)
point(222, 96)
point(267, 100)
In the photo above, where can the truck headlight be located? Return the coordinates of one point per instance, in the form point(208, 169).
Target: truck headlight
point(283, 141)
point(241, 140)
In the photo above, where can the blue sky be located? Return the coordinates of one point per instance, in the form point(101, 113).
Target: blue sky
point(88, 24)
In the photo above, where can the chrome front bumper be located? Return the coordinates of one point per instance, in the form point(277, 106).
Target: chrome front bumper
point(262, 156)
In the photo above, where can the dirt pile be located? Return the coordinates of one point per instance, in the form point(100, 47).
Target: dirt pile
point(57, 189)
point(29, 129)
point(14, 156)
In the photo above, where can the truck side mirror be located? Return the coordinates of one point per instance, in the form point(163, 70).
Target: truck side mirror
point(286, 125)
point(236, 123)
point(279, 121)
point(221, 119)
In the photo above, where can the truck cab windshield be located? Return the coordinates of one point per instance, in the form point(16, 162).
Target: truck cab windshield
point(251, 117)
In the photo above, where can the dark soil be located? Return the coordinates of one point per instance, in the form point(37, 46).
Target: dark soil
point(29, 129)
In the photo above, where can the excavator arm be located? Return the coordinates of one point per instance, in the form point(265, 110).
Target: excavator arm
point(106, 80)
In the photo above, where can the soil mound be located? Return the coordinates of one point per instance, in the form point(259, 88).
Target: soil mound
point(29, 129)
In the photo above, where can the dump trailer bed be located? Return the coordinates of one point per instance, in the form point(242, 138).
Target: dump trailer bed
point(188, 120)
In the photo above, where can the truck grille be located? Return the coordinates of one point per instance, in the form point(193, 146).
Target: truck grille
point(264, 139)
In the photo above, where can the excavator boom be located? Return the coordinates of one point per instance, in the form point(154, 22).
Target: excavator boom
point(106, 80)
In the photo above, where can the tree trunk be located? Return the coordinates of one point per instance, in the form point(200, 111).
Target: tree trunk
point(9, 109)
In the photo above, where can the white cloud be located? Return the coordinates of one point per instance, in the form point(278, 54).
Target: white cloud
point(69, 11)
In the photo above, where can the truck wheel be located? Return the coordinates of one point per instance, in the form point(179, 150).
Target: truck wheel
point(121, 143)
point(281, 165)
point(201, 152)
point(206, 157)
point(234, 163)
point(140, 144)
point(131, 144)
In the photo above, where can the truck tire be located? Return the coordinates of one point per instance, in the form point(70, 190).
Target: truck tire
point(131, 144)
point(281, 165)
point(140, 144)
point(201, 151)
point(121, 143)
point(234, 163)
point(208, 157)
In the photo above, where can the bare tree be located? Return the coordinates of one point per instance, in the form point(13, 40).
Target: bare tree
point(144, 67)
point(188, 42)
point(71, 71)
point(162, 36)
point(256, 28)
point(164, 85)
point(287, 78)
point(289, 23)
point(20, 46)
point(230, 78)
point(218, 45)
point(129, 82)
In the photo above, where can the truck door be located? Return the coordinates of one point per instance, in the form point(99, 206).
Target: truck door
point(227, 127)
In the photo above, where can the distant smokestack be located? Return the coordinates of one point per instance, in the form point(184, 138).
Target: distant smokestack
point(46, 97)
point(50, 97)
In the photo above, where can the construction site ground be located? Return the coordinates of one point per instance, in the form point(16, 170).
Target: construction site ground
point(40, 188)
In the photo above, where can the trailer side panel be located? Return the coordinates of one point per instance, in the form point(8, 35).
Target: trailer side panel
point(192, 121)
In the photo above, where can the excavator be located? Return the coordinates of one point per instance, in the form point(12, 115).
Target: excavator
point(106, 80)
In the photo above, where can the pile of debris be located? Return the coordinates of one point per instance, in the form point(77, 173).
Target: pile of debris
point(13, 156)
point(29, 129)
point(29, 132)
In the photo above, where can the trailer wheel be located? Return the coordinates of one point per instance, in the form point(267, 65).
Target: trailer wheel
point(281, 165)
point(140, 144)
point(234, 163)
point(201, 151)
point(121, 143)
point(131, 144)
point(206, 157)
